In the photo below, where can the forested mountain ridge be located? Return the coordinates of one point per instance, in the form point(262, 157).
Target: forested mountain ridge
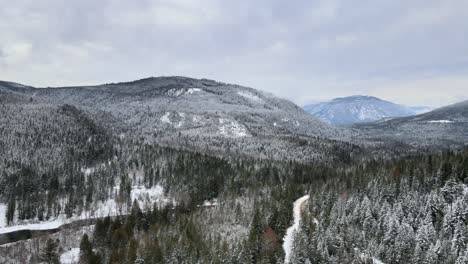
point(198, 114)
point(442, 127)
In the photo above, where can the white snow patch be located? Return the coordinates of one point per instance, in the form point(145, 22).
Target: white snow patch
point(70, 257)
point(377, 261)
point(192, 90)
point(365, 257)
point(44, 225)
point(87, 171)
point(181, 122)
point(250, 96)
point(175, 92)
point(143, 194)
point(182, 91)
point(214, 202)
point(3, 209)
point(441, 121)
point(291, 232)
point(196, 118)
point(232, 128)
point(315, 221)
point(165, 118)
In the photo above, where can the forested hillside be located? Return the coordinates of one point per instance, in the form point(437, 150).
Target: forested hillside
point(198, 114)
point(410, 211)
point(179, 170)
point(400, 211)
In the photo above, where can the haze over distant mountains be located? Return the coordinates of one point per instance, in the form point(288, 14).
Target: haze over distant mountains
point(360, 109)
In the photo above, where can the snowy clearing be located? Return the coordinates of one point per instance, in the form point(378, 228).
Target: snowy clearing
point(250, 96)
point(440, 121)
point(365, 257)
point(71, 256)
point(165, 118)
point(231, 128)
point(192, 90)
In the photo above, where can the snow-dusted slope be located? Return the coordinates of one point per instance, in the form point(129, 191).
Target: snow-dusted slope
point(357, 109)
point(195, 107)
point(440, 127)
point(196, 113)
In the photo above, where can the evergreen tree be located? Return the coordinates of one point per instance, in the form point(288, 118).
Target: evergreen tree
point(462, 258)
point(132, 251)
point(49, 254)
point(86, 250)
point(10, 213)
point(254, 239)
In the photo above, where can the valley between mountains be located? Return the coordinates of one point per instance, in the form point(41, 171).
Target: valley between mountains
point(183, 170)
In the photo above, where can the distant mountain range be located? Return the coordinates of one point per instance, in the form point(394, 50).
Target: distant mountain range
point(441, 127)
point(360, 109)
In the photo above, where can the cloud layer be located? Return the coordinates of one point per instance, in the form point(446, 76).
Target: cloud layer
point(412, 52)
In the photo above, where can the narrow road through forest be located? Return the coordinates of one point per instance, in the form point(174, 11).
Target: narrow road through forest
point(291, 232)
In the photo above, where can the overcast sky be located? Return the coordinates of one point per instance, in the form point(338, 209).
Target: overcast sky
point(411, 52)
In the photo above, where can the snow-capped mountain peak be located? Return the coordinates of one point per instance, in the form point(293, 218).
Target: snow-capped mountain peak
point(357, 109)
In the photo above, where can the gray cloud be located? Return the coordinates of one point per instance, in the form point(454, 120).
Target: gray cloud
point(301, 50)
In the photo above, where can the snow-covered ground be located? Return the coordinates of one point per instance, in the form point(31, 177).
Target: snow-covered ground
point(38, 225)
point(366, 257)
point(441, 121)
point(291, 232)
point(192, 90)
point(70, 257)
point(145, 197)
point(3, 208)
point(377, 261)
point(165, 118)
point(250, 96)
point(90, 170)
point(211, 203)
point(232, 128)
